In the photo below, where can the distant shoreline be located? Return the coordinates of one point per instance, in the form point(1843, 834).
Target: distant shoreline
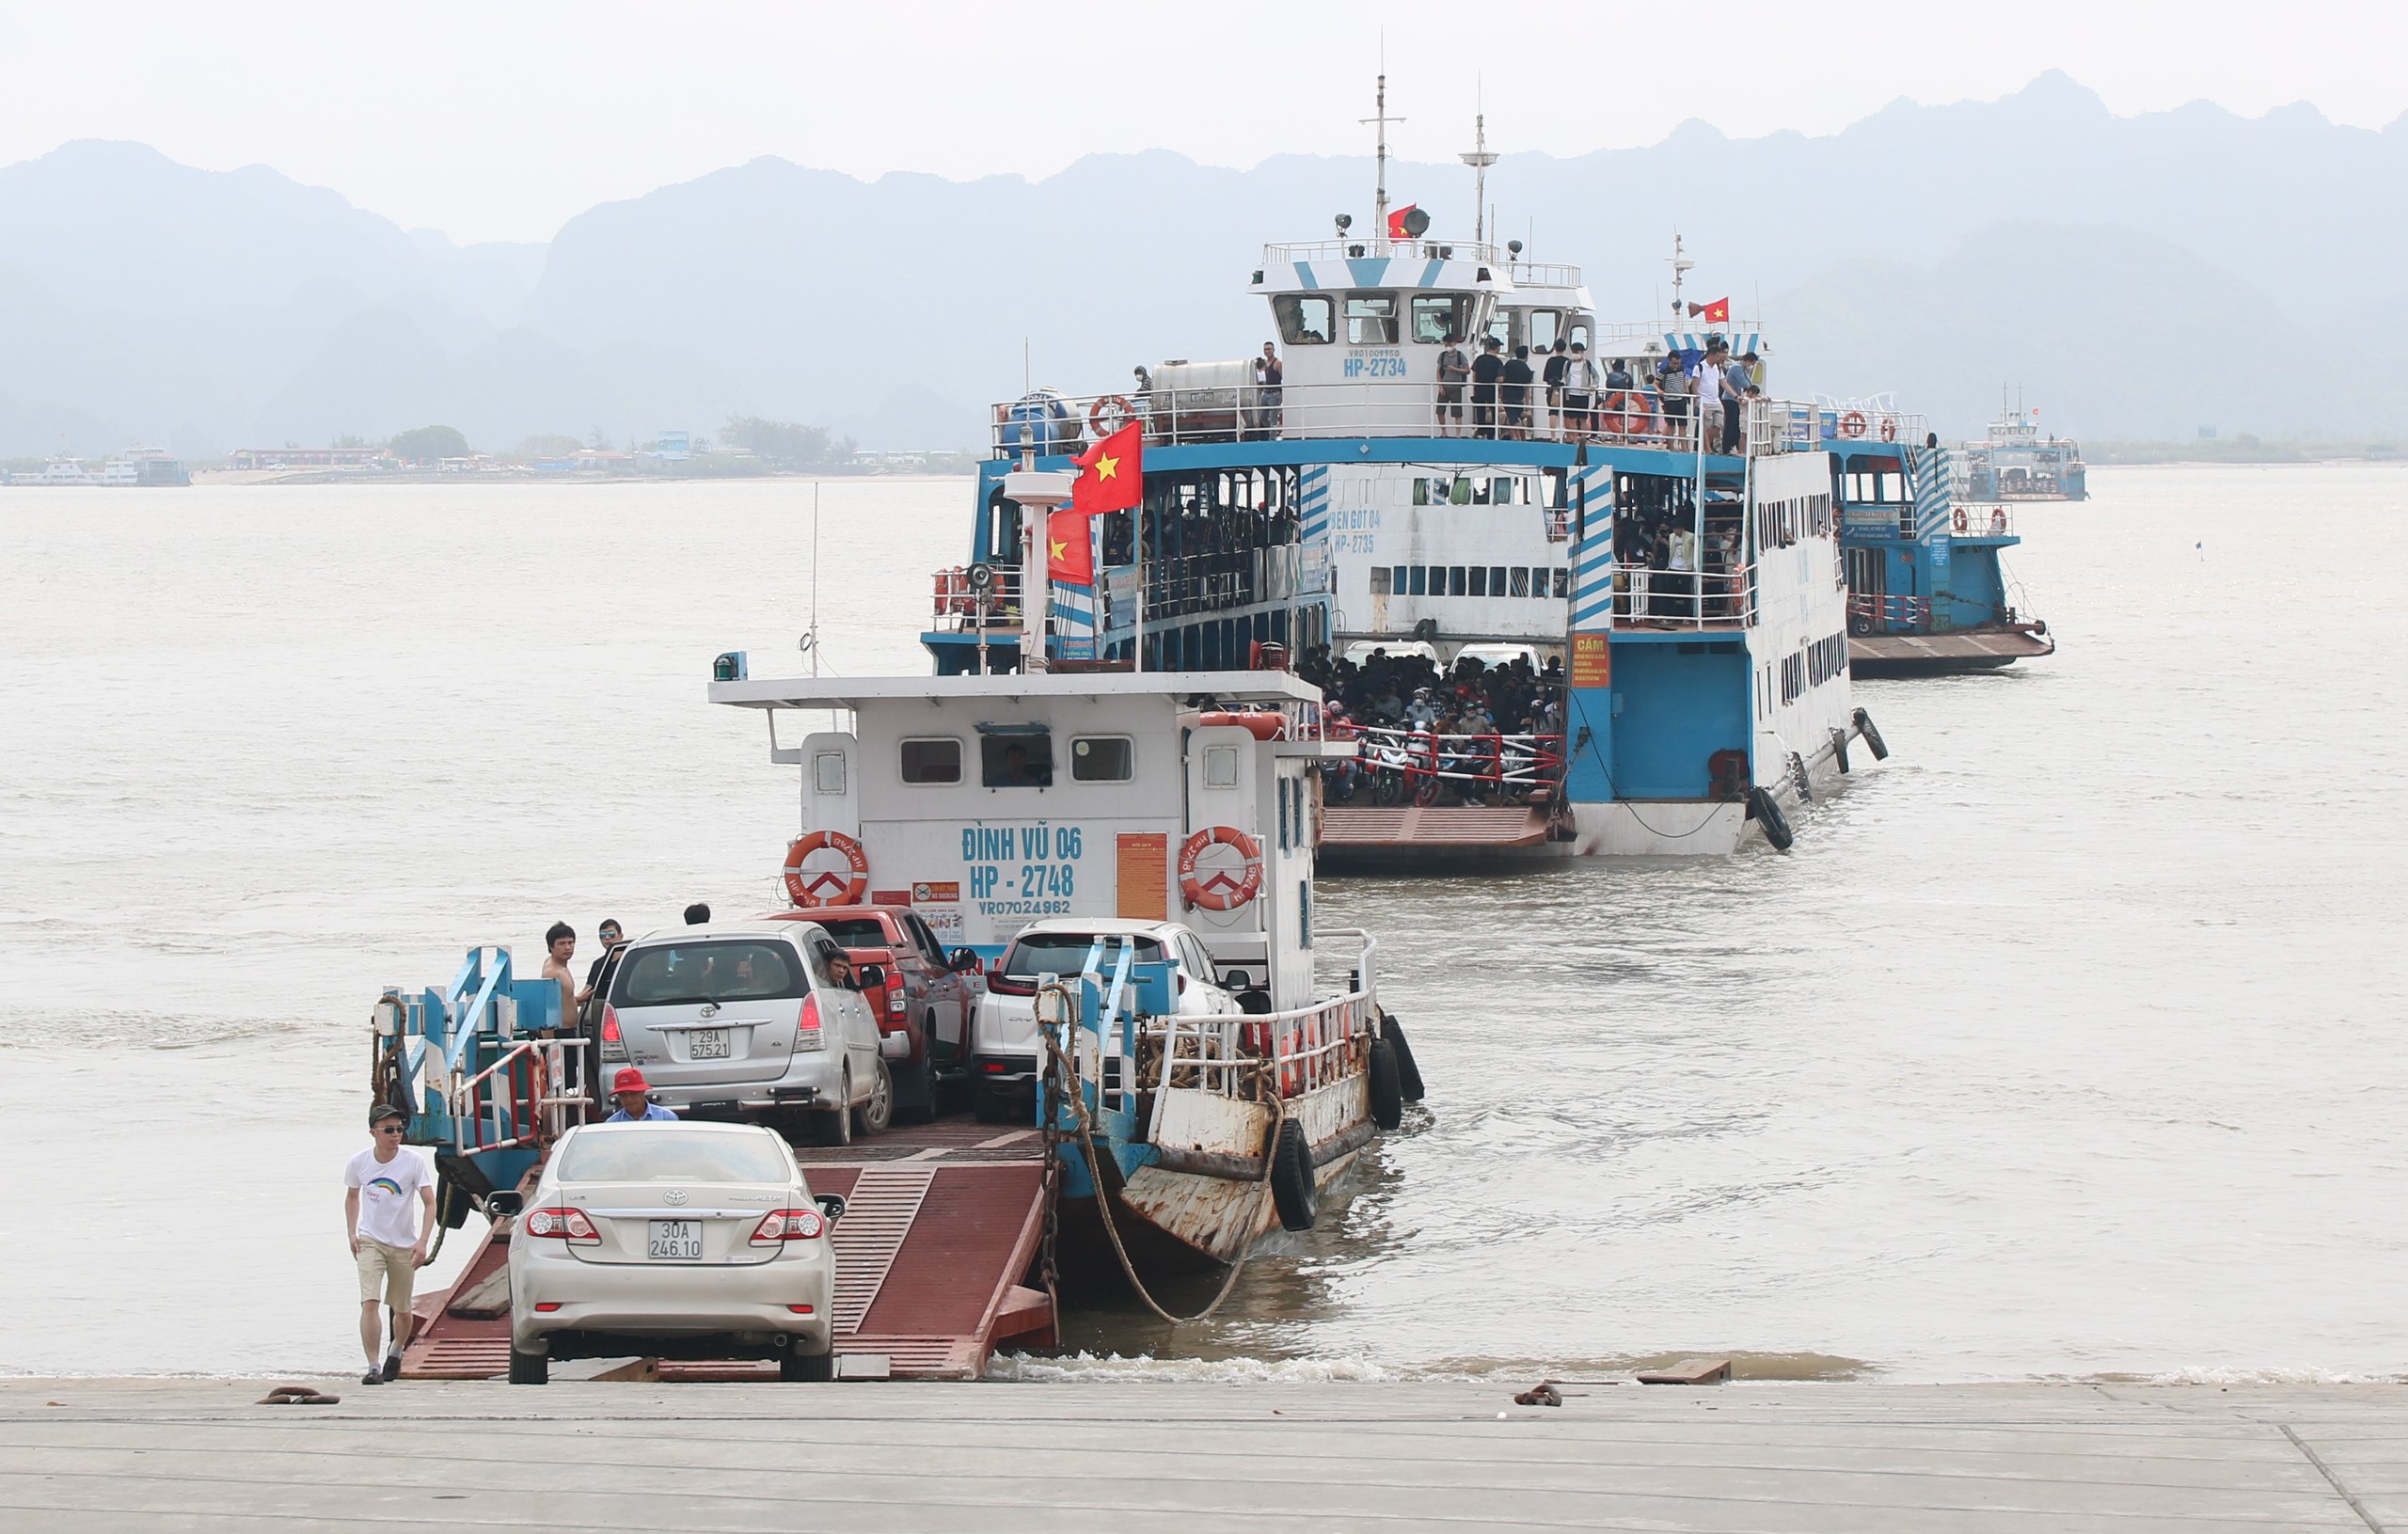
point(436, 478)
point(2243, 450)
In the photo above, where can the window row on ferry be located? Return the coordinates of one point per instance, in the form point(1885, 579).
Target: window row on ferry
point(1507, 580)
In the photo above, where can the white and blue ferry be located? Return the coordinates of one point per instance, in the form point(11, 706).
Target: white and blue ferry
point(1686, 593)
point(1927, 591)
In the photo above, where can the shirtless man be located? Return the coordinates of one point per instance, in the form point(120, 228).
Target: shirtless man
point(562, 940)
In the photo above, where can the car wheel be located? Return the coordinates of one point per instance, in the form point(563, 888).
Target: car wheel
point(876, 1115)
point(529, 1367)
point(835, 1126)
point(807, 1368)
point(992, 1107)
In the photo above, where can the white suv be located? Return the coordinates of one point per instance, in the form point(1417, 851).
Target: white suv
point(750, 1022)
point(1002, 1042)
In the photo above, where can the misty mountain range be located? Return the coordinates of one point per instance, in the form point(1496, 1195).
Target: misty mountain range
point(2137, 276)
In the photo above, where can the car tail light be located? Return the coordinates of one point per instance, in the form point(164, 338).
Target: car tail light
point(895, 1002)
point(996, 1068)
point(562, 1223)
point(614, 1046)
point(547, 1304)
point(800, 1309)
point(806, 1029)
point(790, 1225)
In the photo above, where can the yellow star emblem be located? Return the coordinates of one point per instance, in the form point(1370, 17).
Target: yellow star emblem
point(1106, 468)
point(1061, 550)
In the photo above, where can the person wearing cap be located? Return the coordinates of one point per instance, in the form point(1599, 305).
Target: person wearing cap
point(385, 1187)
point(633, 1094)
point(1486, 368)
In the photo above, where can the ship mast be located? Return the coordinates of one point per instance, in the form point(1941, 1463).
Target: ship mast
point(1379, 208)
point(1681, 264)
point(1480, 159)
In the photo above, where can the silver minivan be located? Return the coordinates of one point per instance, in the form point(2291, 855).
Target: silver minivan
point(750, 1021)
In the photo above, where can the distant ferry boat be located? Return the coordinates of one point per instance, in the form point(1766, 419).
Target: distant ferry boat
point(135, 467)
point(1359, 505)
point(2015, 462)
point(1926, 592)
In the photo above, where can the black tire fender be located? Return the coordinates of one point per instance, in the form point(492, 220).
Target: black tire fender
point(1409, 1070)
point(1871, 737)
point(529, 1367)
point(1766, 812)
point(1838, 751)
point(1291, 1178)
point(807, 1368)
point(1388, 1089)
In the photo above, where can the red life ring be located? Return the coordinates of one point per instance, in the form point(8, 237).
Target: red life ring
point(1220, 892)
point(1852, 424)
point(1629, 412)
point(1960, 519)
point(1889, 427)
point(806, 891)
point(1259, 725)
point(1117, 406)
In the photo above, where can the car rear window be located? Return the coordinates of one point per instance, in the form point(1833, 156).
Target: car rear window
point(689, 973)
point(1065, 953)
point(674, 1154)
point(857, 932)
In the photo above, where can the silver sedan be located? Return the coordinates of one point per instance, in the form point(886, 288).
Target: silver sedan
point(673, 1240)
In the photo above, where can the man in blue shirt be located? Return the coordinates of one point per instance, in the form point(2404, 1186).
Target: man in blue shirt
point(633, 1094)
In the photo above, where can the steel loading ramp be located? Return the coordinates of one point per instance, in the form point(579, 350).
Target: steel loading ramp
point(941, 1229)
point(1410, 827)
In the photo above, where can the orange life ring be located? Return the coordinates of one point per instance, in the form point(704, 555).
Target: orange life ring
point(806, 891)
point(1220, 892)
point(1629, 412)
point(1852, 424)
point(1960, 519)
point(1263, 726)
point(1889, 427)
point(1118, 405)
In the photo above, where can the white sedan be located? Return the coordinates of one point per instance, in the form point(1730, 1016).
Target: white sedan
point(676, 1240)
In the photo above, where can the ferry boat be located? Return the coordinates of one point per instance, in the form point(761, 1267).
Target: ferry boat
point(2014, 462)
point(1927, 590)
point(1677, 601)
point(135, 467)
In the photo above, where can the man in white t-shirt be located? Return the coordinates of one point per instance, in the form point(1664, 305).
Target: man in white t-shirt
point(386, 1186)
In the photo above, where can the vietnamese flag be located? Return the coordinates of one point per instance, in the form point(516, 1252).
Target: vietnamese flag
point(1111, 473)
point(1396, 222)
point(1718, 313)
point(1070, 552)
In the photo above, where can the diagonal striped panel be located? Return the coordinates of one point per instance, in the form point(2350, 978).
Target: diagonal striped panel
point(1312, 513)
point(878, 1215)
point(1931, 475)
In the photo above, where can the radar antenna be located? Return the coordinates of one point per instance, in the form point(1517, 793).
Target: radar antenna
point(1480, 159)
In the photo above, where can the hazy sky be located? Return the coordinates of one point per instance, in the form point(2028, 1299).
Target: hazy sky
point(500, 118)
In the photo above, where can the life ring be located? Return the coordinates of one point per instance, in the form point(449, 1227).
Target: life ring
point(806, 892)
point(1889, 427)
point(1220, 892)
point(1960, 519)
point(1263, 726)
point(1114, 405)
point(1629, 412)
point(1852, 424)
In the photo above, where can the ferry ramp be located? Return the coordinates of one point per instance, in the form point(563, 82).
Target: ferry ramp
point(1371, 833)
point(941, 1233)
point(1964, 649)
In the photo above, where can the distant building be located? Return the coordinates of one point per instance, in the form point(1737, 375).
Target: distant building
point(2206, 434)
point(672, 447)
point(305, 457)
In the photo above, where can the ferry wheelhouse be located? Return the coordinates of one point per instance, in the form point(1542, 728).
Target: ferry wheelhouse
point(1668, 596)
point(1926, 588)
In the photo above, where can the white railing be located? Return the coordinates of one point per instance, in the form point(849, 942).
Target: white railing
point(1356, 247)
point(1401, 764)
point(1051, 424)
point(1300, 1050)
point(962, 607)
point(1645, 596)
point(1994, 520)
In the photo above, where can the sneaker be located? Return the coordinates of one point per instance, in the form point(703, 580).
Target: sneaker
point(393, 1367)
point(375, 1375)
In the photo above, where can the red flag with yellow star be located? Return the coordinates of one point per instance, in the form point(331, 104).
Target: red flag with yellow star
point(1111, 473)
point(1070, 552)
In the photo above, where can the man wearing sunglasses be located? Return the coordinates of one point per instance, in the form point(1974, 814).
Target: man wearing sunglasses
point(385, 1188)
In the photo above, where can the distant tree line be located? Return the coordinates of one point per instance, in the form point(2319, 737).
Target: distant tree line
point(428, 443)
point(786, 443)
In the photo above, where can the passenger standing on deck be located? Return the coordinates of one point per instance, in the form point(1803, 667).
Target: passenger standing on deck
point(1269, 393)
point(1454, 372)
point(1517, 379)
point(1558, 362)
point(1672, 382)
point(386, 1186)
point(610, 935)
point(561, 945)
point(1717, 401)
point(1580, 391)
point(1742, 380)
point(1486, 369)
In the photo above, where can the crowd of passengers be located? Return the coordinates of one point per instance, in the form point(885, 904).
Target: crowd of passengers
point(1569, 394)
point(1400, 708)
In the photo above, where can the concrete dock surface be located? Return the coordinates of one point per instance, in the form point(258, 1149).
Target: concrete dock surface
point(161, 1455)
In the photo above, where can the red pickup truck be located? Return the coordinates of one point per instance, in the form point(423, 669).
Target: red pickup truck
point(924, 1009)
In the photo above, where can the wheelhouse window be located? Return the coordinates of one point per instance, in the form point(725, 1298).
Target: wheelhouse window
point(1102, 759)
point(1541, 326)
point(1016, 760)
point(932, 761)
point(1306, 319)
point(1371, 319)
point(1435, 315)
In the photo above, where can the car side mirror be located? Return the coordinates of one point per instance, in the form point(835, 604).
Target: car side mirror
point(870, 974)
point(965, 960)
point(831, 1205)
point(502, 1205)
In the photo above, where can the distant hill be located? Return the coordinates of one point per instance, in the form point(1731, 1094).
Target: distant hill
point(2139, 276)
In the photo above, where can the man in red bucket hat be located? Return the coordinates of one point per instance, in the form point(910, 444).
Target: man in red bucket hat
point(633, 1094)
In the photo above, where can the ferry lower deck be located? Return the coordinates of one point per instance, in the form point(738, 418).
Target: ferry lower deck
point(940, 1232)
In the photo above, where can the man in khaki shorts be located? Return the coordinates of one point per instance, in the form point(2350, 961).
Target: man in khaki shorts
point(385, 1187)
